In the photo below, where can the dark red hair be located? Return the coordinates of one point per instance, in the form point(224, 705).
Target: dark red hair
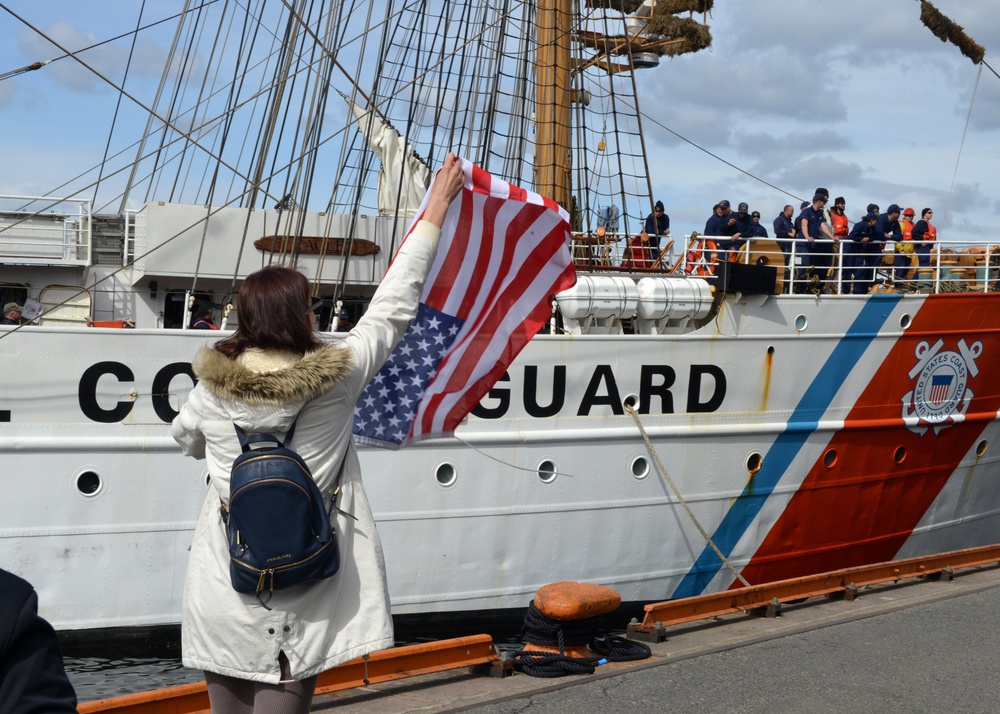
point(272, 306)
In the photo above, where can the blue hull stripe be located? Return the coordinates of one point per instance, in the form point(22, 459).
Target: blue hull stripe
point(803, 422)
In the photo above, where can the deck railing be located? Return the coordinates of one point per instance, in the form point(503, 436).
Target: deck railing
point(820, 267)
point(37, 230)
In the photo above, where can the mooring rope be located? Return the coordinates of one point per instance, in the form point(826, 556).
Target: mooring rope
point(677, 494)
point(541, 630)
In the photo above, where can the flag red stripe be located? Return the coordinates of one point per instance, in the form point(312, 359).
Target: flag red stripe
point(445, 280)
point(482, 182)
point(491, 207)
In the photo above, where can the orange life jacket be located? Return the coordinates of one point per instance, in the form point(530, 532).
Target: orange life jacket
point(839, 223)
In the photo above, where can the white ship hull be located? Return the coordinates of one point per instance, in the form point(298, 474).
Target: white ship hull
point(505, 526)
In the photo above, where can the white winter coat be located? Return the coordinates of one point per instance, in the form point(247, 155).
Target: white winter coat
point(321, 624)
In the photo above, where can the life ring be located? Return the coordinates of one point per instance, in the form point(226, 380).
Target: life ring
point(701, 257)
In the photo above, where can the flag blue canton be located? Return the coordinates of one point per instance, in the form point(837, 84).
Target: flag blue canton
point(388, 404)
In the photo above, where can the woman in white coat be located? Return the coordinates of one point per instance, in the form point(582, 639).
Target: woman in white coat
point(272, 369)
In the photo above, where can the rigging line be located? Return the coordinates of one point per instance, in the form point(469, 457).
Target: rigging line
point(719, 158)
point(638, 114)
point(235, 86)
point(618, 154)
point(961, 146)
point(118, 103)
point(285, 84)
point(336, 62)
point(200, 128)
point(134, 33)
point(148, 131)
point(500, 461)
point(436, 66)
point(367, 159)
point(182, 176)
point(332, 24)
point(319, 100)
point(984, 62)
point(198, 102)
point(346, 148)
point(138, 103)
point(181, 136)
point(673, 487)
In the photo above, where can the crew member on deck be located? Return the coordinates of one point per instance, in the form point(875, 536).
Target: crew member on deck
point(11, 314)
point(755, 229)
point(784, 230)
point(720, 212)
point(657, 224)
point(201, 318)
point(886, 229)
point(838, 219)
point(923, 235)
point(813, 227)
point(858, 276)
point(904, 249)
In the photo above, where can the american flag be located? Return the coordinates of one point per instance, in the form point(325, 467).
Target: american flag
point(504, 252)
point(940, 386)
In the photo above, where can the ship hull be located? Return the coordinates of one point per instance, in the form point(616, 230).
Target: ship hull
point(801, 434)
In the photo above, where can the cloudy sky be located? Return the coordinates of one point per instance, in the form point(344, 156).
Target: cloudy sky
point(853, 95)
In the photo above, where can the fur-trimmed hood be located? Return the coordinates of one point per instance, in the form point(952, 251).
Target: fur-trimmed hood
point(295, 380)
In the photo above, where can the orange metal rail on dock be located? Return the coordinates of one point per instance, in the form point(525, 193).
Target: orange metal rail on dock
point(846, 582)
point(382, 666)
point(402, 662)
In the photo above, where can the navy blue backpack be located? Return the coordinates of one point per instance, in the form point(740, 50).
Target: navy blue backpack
point(279, 528)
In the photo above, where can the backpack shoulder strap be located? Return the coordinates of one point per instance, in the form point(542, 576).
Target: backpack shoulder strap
point(247, 442)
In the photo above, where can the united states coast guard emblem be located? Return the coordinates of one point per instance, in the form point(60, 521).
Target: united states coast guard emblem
point(941, 395)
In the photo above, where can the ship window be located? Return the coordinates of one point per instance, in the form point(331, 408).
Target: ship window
point(640, 467)
point(547, 471)
point(982, 447)
point(801, 323)
point(446, 474)
point(899, 455)
point(754, 462)
point(88, 483)
point(830, 458)
point(905, 320)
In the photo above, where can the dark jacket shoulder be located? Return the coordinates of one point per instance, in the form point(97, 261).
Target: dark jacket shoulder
point(32, 676)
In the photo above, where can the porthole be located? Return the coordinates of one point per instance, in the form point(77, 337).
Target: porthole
point(754, 462)
point(982, 447)
point(89, 484)
point(905, 321)
point(899, 455)
point(801, 323)
point(640, 467)
point(631, 400)
point(830, 458)
point(446, 474)
point(547, 471)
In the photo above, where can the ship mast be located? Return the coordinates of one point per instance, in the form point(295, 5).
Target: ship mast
point(553, 161)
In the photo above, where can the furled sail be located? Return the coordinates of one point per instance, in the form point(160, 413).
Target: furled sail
point(404, 176)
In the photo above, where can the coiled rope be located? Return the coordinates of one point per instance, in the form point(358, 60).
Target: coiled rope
point(541, 630)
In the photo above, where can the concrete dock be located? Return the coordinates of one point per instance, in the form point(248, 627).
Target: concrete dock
point(916, 646)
